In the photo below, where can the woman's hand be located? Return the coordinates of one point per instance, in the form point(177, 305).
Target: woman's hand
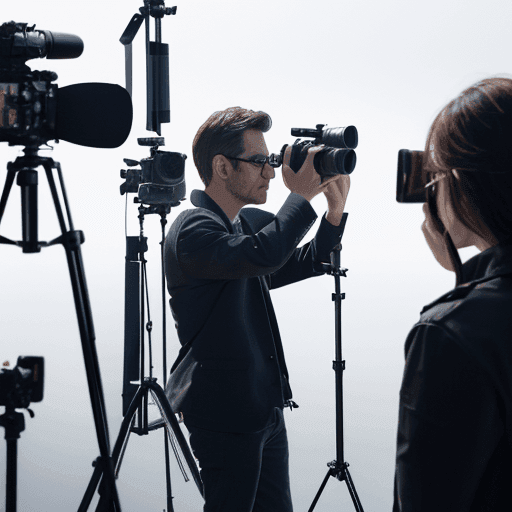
point(435, 240)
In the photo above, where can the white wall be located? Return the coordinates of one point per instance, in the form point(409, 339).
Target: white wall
point(385, 67)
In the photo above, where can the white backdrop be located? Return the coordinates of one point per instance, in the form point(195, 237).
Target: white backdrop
point(385, 67)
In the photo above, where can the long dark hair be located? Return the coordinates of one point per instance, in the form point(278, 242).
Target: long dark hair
point(473, 134)
point(223, 133)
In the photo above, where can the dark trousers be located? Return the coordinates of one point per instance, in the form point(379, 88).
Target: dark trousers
point(244, 472)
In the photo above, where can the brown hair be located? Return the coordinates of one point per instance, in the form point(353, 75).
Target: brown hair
point(473, 134)
point(222, 133)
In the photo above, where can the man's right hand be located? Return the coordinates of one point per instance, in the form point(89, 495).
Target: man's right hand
point(307, 182)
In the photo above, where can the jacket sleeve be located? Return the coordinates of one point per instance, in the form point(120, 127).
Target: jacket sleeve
point(306, 261)
point(207, 250)
point(448, 428)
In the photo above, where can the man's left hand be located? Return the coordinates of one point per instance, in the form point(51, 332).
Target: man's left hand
point(337, 192)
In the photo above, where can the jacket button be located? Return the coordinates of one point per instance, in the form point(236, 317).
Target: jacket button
point(271, 357)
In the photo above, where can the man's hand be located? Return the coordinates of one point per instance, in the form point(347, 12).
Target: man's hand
point(336, 194)
point(307, 181)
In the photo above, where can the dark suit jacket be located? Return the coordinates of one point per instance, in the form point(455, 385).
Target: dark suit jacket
point(231, 371)
point(455, 421)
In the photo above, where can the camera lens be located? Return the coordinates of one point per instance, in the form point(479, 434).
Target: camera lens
point(340, 137)
point(331, 162)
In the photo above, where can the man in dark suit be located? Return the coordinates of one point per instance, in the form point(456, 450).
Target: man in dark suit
point(230, 380)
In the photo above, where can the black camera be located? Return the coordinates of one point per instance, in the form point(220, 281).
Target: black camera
point(411, 180)
point(33, 110)
point(161, 177)
point(23, 384)
point(338, 157)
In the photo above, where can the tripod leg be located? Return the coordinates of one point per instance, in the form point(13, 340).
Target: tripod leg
point(91, 488)
point(7, 188)
point(170, 507)
point(317, 497)
point(121, 442)
point(124, 430)
point(83, 309)
point(352, 491)
point(173, 425)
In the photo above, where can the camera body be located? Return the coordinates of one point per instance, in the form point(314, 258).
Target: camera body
point(411, 179)
point(161, 177)
point(338, 157)
point(23, 384)
point(28, 99)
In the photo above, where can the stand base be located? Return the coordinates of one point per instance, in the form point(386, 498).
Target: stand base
point(340, 471)
point(171, 425)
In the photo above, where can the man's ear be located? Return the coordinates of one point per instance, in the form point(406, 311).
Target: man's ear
point(221, 166)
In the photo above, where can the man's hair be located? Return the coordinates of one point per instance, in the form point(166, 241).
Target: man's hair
point(473, 134)
point(222, 133)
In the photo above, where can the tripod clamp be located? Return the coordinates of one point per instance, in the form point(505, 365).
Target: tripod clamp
point(338, 469)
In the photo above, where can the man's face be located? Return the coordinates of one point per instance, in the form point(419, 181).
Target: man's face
point(250, 183)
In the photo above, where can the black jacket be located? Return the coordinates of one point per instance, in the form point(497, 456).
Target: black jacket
point(455, 421)
point(231, 372)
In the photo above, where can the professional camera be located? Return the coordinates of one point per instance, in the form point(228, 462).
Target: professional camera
point(34, 111)
point(161, 178)
point(411, 179)
point(330, 161)
point(23, 384)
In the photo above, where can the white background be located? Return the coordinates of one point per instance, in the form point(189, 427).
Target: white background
point(385, 67)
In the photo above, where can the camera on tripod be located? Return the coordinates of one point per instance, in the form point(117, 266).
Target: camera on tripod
point(161, 177)
point(33, 110)
point(23, 384)
point(338, 157)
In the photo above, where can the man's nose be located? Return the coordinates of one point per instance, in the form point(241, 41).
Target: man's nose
point(268, 172)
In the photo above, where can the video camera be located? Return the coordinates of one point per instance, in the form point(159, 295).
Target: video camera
point(34, 111)
point(161, 178)
point(23, 384)
point(411, 179)
point(331, 160)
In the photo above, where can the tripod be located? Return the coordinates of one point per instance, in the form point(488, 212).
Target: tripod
point(338, 468)
point(136, 387)
point(27, 178)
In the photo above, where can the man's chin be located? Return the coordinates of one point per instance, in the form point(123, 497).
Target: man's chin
point(259, 200)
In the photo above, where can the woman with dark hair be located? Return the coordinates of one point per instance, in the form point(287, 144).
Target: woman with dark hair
point(455, 419)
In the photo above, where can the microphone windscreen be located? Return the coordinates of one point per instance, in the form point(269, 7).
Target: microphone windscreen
point(95, 115)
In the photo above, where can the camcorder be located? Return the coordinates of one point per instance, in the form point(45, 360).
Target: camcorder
point(160, 180)
point(338, 157)
point(33, 110)
point(411, 179)
point(23, 384)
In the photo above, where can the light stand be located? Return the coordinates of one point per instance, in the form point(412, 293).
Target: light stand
point(338, 468)
point(160, 184)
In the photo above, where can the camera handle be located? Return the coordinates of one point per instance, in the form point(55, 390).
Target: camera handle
point(338, 468)
point(71, 240)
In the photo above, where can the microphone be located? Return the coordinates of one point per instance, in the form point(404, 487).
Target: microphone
point(93, 114)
